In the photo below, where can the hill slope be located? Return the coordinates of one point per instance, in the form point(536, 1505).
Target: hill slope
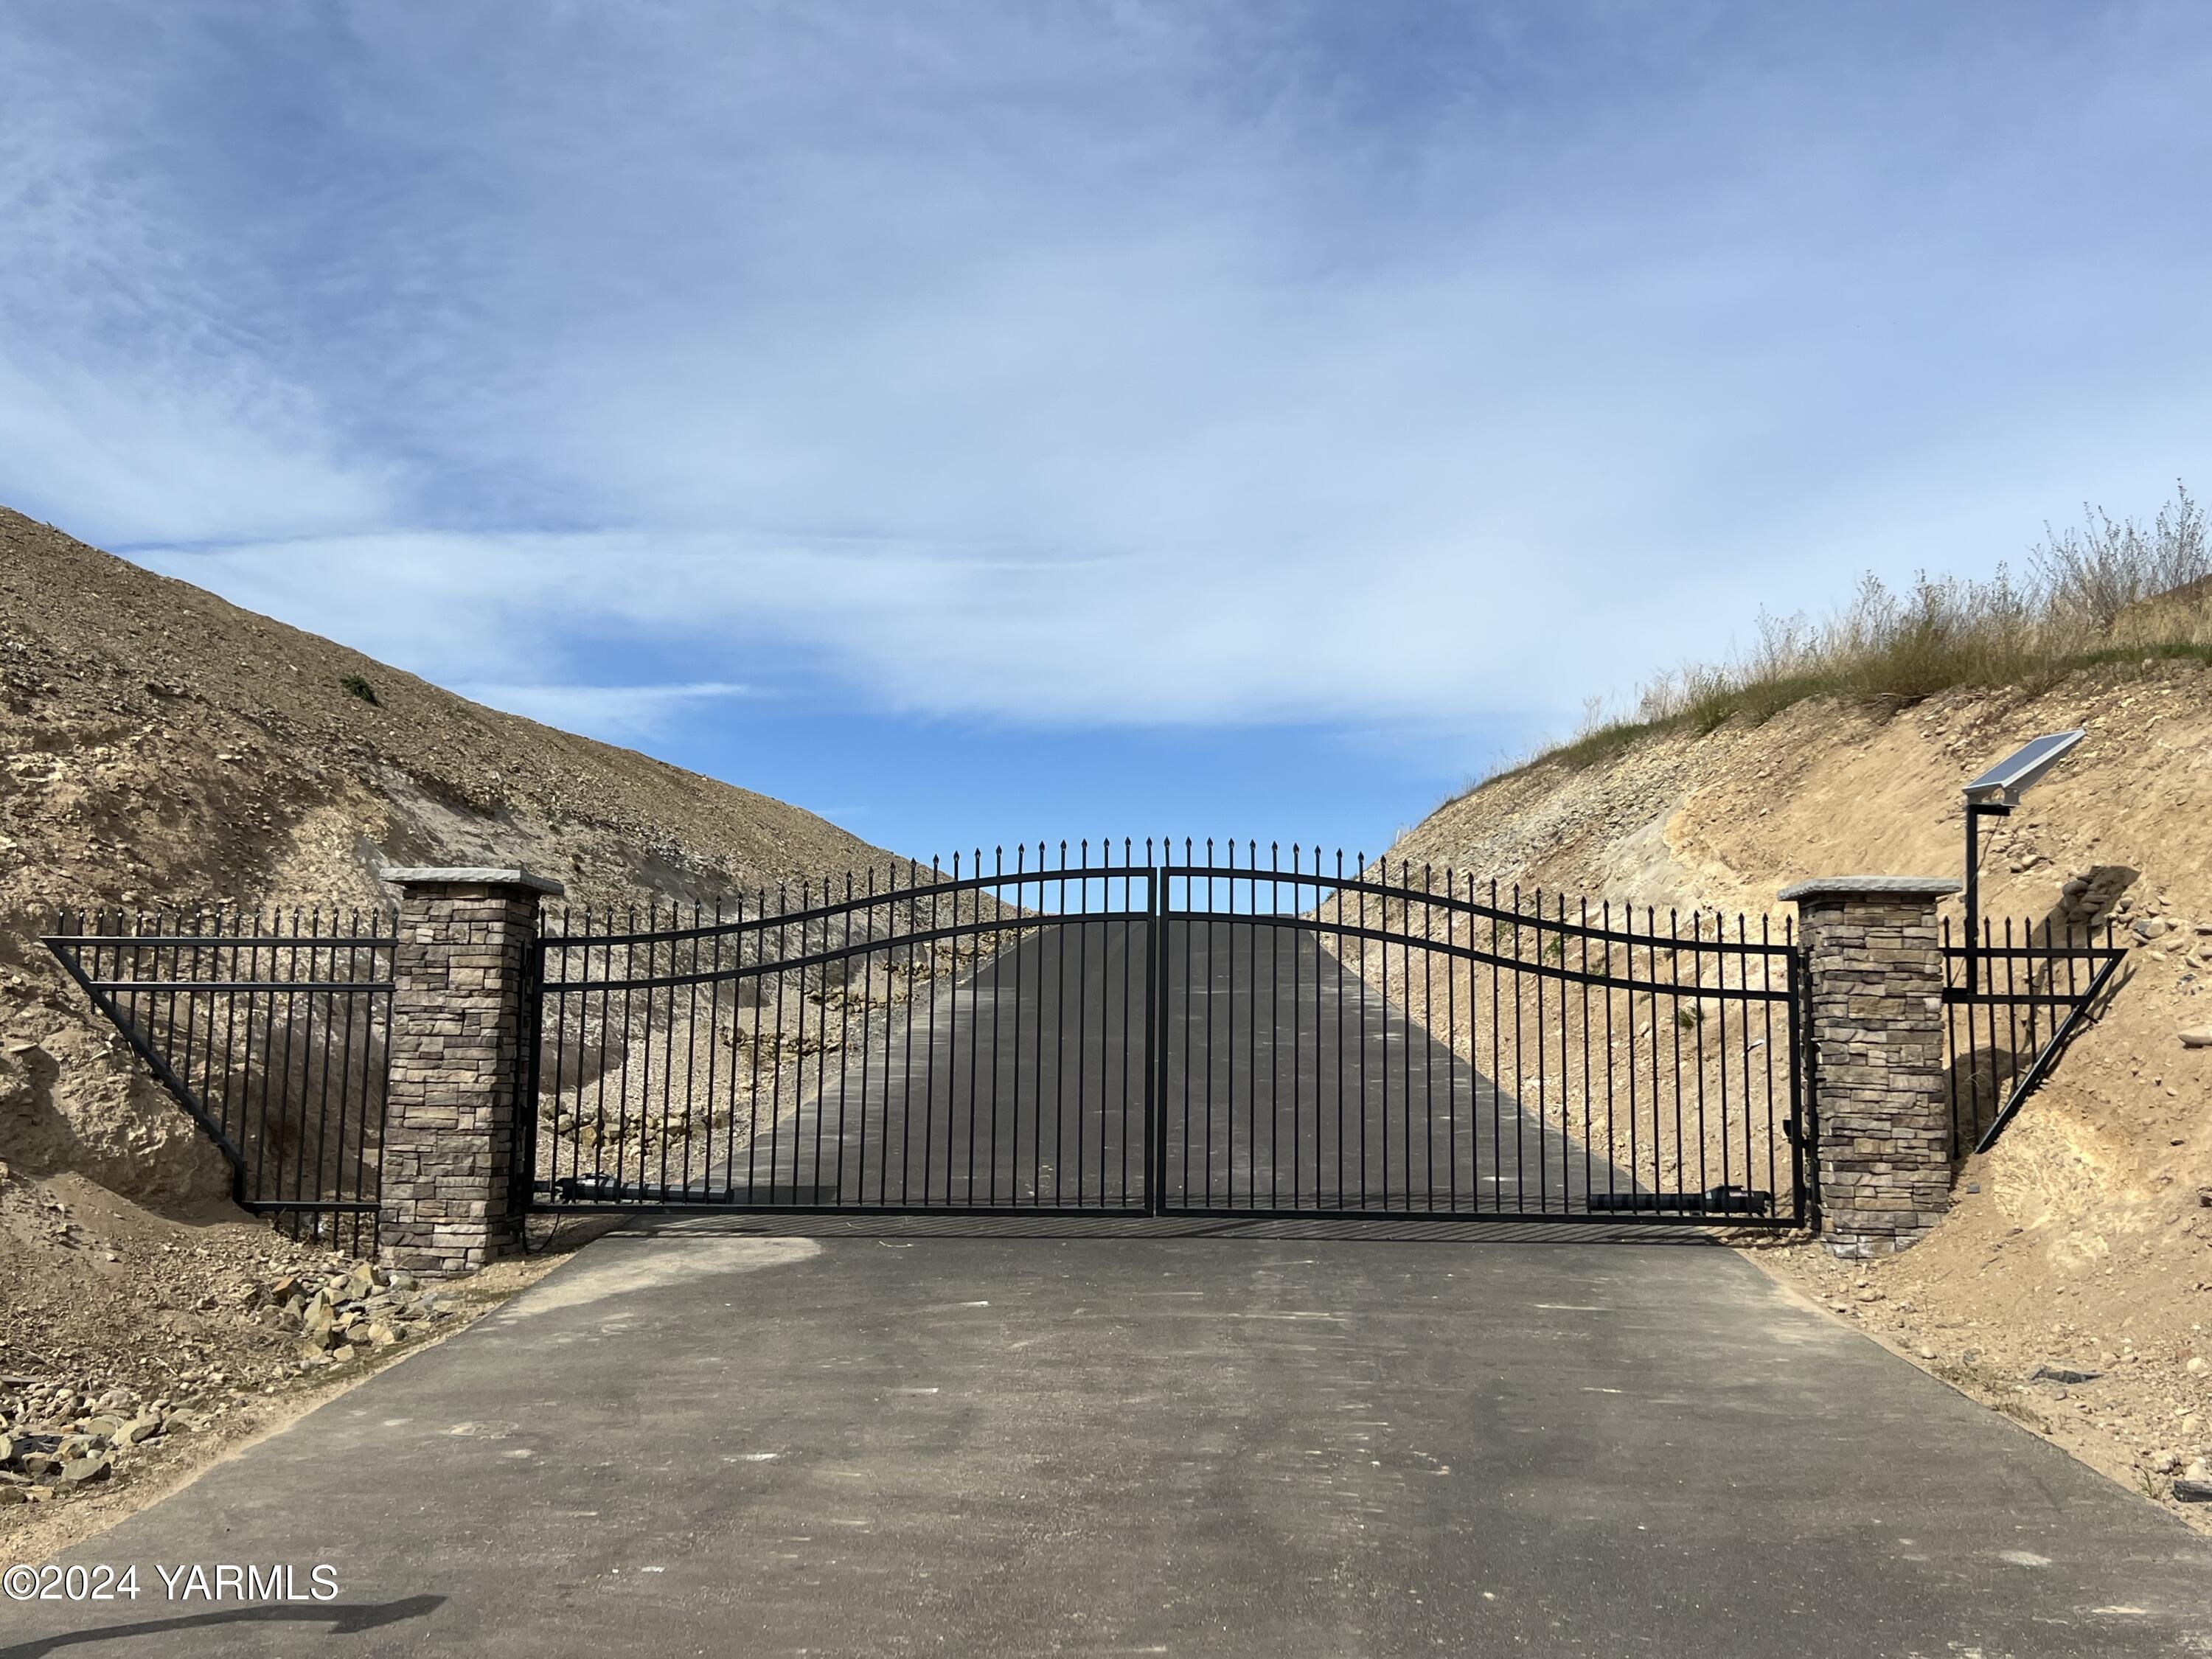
point(2082, 1235)
point(160, 748)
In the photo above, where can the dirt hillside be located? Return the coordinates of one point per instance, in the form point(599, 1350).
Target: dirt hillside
point(160, 748)
point(2083, 1237)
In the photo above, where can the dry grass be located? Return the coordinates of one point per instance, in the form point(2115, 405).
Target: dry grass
point(2113, 591)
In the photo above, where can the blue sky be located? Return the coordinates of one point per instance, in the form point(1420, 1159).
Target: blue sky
point(974, 422)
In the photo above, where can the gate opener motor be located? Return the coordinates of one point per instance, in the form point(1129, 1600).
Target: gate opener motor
point(1714, 1201)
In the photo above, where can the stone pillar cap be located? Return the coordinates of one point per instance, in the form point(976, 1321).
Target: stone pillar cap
point(1871, 887)
point(473, 875)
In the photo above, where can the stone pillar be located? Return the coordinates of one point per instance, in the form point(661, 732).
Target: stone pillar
point(1875, 962)
point(446, 1203)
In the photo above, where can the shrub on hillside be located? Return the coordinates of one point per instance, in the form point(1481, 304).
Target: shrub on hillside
point(2113, 590)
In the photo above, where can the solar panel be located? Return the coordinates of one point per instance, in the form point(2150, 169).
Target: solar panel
point(2005, 782)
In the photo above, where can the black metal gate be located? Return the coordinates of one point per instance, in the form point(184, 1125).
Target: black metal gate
point(1351, 1044)
point(909, 1039)
point(1137, 1035)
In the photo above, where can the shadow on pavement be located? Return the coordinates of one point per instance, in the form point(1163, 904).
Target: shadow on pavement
point(342, 1619)
point(1376, 1228)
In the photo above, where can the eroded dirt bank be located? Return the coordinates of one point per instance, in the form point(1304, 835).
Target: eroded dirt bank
point(2083, 1240)
point(162, 751)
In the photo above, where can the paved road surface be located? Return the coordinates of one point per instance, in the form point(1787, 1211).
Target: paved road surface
point(704, 1442)
point(1291, 1084)
point(989, 1437)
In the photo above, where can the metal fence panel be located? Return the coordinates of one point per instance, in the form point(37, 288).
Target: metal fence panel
point(272, 1032)
point(2013, 999)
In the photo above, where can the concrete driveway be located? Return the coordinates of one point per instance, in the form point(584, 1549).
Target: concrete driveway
point(708, 1441)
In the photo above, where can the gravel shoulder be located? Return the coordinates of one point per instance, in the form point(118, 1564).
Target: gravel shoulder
point(141, 1350)
point(2133, 1413)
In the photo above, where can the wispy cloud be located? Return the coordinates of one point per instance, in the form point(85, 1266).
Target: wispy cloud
point(1178, 362)
point(613, 711)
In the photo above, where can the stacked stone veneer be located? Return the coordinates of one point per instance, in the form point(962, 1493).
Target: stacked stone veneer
point(446, 1203)
point(1875, 961)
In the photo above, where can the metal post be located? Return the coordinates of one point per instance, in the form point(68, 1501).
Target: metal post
point(1976, 810)
point(1156, 1035)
